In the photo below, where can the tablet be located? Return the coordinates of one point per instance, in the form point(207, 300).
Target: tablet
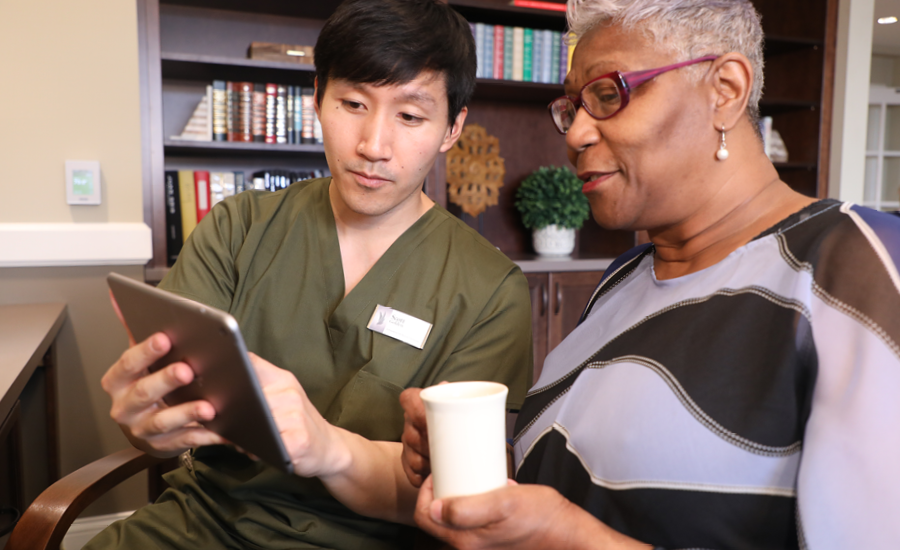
point(210, 341)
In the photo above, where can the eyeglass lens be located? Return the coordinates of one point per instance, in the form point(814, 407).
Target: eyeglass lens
point(602, 99)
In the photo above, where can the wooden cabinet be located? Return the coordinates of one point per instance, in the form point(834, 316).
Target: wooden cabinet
point(557, 301)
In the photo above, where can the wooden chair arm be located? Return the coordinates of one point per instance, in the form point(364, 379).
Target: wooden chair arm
point(46, 521)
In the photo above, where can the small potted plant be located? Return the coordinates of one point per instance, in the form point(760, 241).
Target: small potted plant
point(553, 207)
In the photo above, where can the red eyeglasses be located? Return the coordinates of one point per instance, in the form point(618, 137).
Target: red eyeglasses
point(606, 95)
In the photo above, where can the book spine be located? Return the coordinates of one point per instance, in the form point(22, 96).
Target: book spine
point(201, 186)
point(281, 114)
point(570, 43)
point(239, 182)
point(188, 196)
point(527, 42)
point(498, 52)
point(563, 59)
point(479, 49)
point(518, 52)
point(245, 110)
point(259, 113)
point(537, 49)
point(216, 188)
point(174, 239)
point(220, 130)
point(231, 105)
point(227, 184)
point(308, 114)
point(208, 136)
point(298, 114)
point(488, 51)
point(507, 53)
point(547, 57)
point(289, 118)
point(271, 93)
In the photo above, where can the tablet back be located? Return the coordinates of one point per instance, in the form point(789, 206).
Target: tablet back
point(210, 341)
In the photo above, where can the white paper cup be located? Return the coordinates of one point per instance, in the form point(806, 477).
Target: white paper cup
point(466, 437)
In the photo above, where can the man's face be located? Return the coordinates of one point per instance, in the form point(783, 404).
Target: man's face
point(381, 141)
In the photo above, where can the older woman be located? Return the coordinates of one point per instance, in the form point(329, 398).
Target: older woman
point(734, 383)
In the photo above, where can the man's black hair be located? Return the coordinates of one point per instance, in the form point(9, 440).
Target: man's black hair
point(387, 42)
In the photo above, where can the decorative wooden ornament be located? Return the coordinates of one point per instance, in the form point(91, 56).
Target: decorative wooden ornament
point(475, 170)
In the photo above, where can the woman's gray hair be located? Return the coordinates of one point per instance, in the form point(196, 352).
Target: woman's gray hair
point(688, 28)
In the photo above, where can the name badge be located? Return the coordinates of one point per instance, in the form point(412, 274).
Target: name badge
point(400, 326)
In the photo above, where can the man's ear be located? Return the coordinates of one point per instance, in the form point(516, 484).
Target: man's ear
point(732, 81)
point(454, 131)
point(316, 96)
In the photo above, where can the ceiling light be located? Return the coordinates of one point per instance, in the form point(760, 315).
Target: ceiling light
point(887, 20)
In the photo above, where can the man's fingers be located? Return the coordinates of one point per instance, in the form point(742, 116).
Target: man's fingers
point(186, 438)
point(473, 511)
point(413, 408)
point(171, 420)
point(152, 388)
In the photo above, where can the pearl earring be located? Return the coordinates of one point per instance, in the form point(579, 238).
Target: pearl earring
point(722, 153)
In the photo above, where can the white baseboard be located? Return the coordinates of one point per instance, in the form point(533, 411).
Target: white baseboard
point(84, 529)
point(74, 244)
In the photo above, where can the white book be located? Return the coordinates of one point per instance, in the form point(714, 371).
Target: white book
point(547, 57)
point(518, 52)
point(479, 49)
point(488, 52)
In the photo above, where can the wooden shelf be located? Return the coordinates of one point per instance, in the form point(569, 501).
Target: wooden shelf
point(186, 66)
point(777, 45)
point(777, 106)
point(318, 9)
point(500, 12)
point(514, 90)
point(231, 148)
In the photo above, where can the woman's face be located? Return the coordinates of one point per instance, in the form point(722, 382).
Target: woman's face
point(644, 167)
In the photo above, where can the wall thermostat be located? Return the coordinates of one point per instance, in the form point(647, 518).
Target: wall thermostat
point(82, 182)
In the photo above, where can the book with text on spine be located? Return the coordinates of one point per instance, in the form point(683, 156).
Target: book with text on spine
point(219, 122)
point(201, 186)
point(271, 93)
point(188, 196)
point(499, 54)
point(507, 53)
point(527, 42)
point(258, 122)
point(518, 52)
point(174, 238)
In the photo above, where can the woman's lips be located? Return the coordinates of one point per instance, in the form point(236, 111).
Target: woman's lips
point(592, 180)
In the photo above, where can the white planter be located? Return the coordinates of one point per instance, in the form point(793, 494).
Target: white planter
point(554, 241)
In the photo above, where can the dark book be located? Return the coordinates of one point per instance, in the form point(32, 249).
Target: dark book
point(231, 106)
point(245, 111)
point(271, 93)
point(258, 114)
point(298, 115)
point(220, 130)
point(174, 239)
point(281, 114)
point(307, 134)
point(289, 123)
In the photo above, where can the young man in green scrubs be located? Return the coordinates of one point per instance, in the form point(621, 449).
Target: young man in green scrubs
point(303, 270)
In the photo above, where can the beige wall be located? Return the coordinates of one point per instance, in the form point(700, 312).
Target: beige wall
point(69, 90)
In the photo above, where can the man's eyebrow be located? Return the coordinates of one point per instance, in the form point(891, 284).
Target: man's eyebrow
point(418, 97)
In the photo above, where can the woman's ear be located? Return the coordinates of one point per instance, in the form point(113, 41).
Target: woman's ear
point(732, 81)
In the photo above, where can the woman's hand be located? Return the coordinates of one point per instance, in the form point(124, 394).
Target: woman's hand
point(517, 516)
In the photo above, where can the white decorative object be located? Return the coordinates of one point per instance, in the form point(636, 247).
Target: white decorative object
point(722, 153)
point(554, 241)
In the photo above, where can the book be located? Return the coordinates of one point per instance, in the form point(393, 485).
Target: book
point(281, 114)
point(518, 52)
point(288, 53)
point(271, 92)
point(298, 115)
point(216, 189)
point(187, 195)
point(245, 111)
point(539, 5)
point(571, 40)
point(527, 38)
point(308, 115)
point(553, 77)
point(289, 118)
point(201, 186)
point(507, 53)
point(220, 129)
point(228, 185)
point(537, 51)
point(563, 64)
point(258, 121)
point(231, 114)
point(488, 52)
point(479, 50)
point(239, 184)
point(498, 52)
point(547, 57)
point(174, 238)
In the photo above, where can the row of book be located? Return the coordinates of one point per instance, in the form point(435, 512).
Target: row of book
point(191, 194)
point(517, 53)
point(253, 112)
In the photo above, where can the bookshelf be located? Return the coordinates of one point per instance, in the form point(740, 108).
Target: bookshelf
point(185, 44)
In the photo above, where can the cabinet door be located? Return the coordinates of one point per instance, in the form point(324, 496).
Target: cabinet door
point(540, 306)
point(569, 293)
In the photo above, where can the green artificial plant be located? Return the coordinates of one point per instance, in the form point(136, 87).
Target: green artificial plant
point(551, 195)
